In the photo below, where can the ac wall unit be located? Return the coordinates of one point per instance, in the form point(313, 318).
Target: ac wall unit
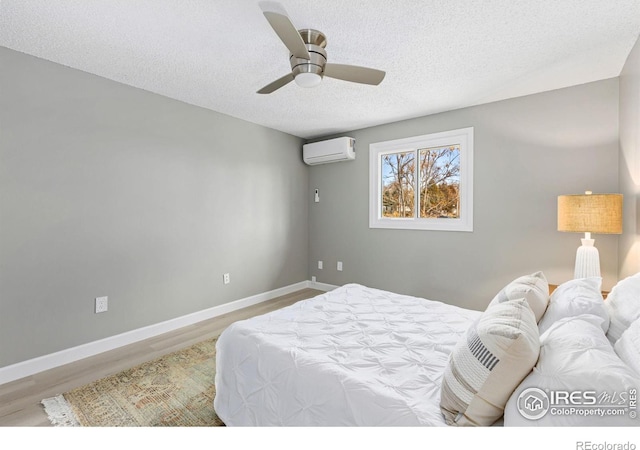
point(332, 150)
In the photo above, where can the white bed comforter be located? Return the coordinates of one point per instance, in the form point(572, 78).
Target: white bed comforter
point(352, 356)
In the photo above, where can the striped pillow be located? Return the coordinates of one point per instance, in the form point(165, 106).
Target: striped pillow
point(488, 363)
point(534, 288)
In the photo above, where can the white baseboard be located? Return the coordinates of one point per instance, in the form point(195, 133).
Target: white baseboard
point(322, 286)
point(46, 362)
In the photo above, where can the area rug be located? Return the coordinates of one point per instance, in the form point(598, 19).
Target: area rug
point(174, 390)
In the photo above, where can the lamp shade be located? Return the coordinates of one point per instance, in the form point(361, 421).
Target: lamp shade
point(590, 213)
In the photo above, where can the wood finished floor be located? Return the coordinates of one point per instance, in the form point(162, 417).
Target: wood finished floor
point(20, 399)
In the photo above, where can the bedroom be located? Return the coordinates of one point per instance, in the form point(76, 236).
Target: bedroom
point(120, 192)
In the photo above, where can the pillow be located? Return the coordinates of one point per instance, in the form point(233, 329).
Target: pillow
point(623, 306)
point(488, 363)
point(577, 360)
point(628, 346)
point(574, 298)
point(534, 288)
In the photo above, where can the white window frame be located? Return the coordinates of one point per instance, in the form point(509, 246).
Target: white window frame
point(462, 137)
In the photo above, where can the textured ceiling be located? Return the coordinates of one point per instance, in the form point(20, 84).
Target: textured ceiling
point(438, 54)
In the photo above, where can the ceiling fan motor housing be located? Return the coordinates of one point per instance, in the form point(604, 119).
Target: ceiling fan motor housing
point(315, 42)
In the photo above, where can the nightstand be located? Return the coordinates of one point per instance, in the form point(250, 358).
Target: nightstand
point(552, 287)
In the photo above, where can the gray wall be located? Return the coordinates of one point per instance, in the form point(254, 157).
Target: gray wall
point(528, 151)
point(110, 190)
point(629, 249)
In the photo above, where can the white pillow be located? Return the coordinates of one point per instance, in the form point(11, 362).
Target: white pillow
point(574, 298)
point(487, 364)
point(623, 306)
point(628, 346)
point(533, 288)
point(575, 358)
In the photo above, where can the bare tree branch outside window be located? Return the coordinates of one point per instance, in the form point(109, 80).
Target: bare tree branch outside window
point(440, 182)
point(438, 185)
point(398, 184)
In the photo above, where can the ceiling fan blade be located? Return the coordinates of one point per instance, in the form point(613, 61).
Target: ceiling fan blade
point(275, 85)
point(355, 74)
point(287, 34)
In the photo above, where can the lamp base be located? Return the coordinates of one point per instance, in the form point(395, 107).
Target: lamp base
point(587, 260)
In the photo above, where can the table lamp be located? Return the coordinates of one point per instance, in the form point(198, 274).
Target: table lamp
point(589, 213)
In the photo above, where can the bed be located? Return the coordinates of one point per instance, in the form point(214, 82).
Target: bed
point(319, 360)
point(359, 356)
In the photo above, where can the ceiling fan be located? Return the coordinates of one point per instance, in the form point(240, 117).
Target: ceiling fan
point(308, 58)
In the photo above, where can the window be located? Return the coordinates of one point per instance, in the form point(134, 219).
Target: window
point(422, 182)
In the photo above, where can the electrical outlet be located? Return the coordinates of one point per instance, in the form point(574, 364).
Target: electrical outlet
point(226, 278)
point(339, 266)
point(313, 279)
point(320, 265)
point(102, 304)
